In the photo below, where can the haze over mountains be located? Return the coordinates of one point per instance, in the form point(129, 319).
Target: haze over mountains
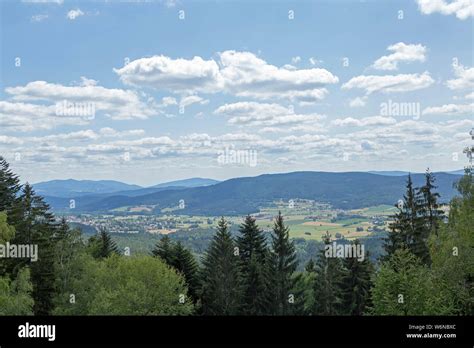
point(244, 195)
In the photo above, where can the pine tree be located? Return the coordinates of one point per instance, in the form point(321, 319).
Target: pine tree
point(254, 269)
point(221, 290)
point(164, 249)
point(283, 265)
point(103, 245)
point(433, 215)
point(37, 226)
point(408, 229)
point(184, 262)
point(356, 283)
point(9, 187)
point(328, 290)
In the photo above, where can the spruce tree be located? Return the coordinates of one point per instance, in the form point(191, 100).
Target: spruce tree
point(328, 292)
point(184, 262)
point(37, 226)
point(103, 245)
point(164, 249)
point(408, 229)
point(254, 269)
point(221, 288)
point(356, 283)
point(9, 187)
point(283, 265)
point(430, 207)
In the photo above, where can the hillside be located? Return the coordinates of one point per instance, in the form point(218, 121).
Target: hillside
point(244, 195)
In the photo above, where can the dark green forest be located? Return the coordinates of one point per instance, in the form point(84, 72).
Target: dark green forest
point(427, 267)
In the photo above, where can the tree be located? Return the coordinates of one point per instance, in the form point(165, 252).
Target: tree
point(253, 255)
point(405, 286)
point(221, 288)
point(408, 229)
point(102, 245)
point(135, 285)
point(356, 283)
point(7, 232)
point(164, 249)
point(429, 204)
point(15, 296)
point(328, 291)
point(283, 265)
point(452, 249)
point(9, 186)
point(36, 226)
point(183, 261)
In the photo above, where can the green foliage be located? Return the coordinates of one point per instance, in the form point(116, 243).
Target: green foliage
point(164, 249)
point(184, 262)
point(7, 232)
point(119, 285)
point(283, 265)
point(356, 284)
point(328, 291)
point(452, 249)
point(221, 288)
point(404, 286)
point(15, 296)
point(254, 268)
point(102, 245)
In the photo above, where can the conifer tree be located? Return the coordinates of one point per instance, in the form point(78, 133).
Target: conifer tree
point(283, 265)
point(164, 249)
point(432, 214)
point(254, 269)
point(37, 226)
point(356, 283)
point(221, 288)
point(328, 292)
point(184, 262)
point(103, 245)
point(9, 187)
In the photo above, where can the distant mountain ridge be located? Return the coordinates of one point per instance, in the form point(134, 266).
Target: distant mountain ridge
point(245, 195)
point(78, 188)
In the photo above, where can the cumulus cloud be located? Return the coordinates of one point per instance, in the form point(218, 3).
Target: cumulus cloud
point(463, 9)
point(390, 83)
point(363, 122)
point(401, 53)
point(241, 74)
point(73, 14)
point(192, 99)
point(263, 114)
point(358, 102)
point(450, 109)
point(464, 78)
point(114, 103)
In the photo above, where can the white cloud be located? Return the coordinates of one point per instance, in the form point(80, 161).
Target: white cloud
point(401, 53)
point(24, 117)
point(114, 103)
point(463, 9)
point(263, 114)
point(450, 109)
point(464, 78)
point(363, 122)
point(39, 17)
point(358, 102)
point(73, 14)
point(314, 61)
point(242, 74)
point(296, 60)
point(192, 99)
point(469, 96)
point(390, 83)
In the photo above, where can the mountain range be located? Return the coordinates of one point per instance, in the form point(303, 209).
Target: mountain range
point(347, 190)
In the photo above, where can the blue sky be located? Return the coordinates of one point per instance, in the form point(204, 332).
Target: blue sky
point(302, 86)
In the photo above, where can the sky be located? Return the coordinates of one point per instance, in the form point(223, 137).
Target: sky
point(151, 91)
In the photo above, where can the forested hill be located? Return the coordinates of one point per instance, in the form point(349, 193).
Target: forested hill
point(244, 195)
